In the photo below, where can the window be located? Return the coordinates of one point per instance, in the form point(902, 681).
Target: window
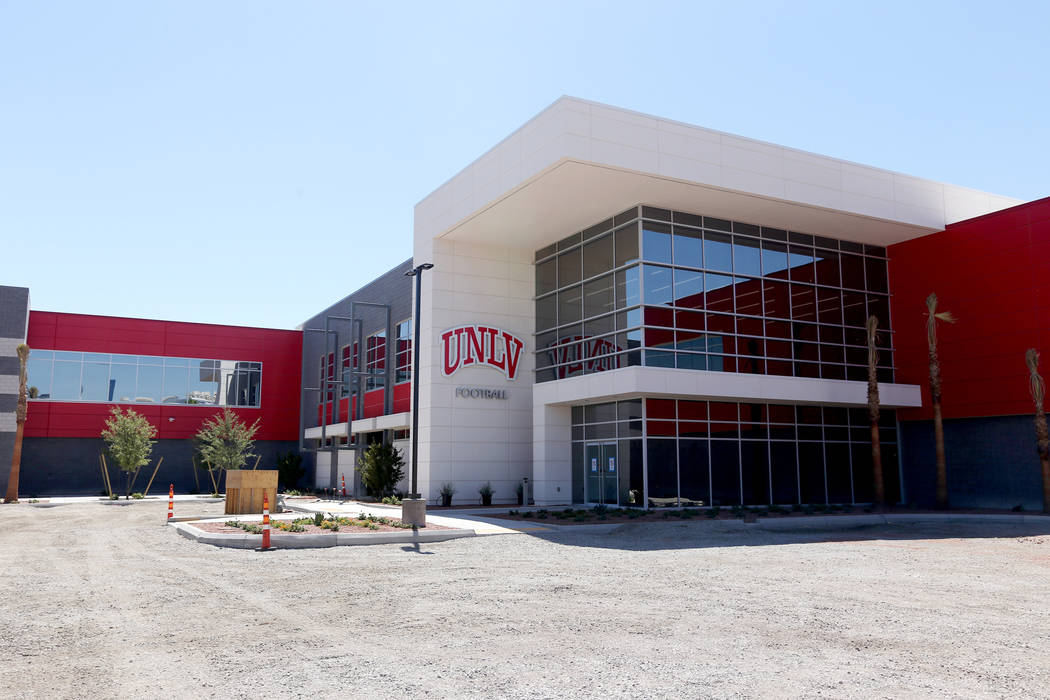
point(403, 361)
point(375, 361)
point(114, 378)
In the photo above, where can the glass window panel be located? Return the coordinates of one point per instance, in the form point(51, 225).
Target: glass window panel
point(66, 383)
point(689, 320)
point(94, 383)
point(800, 262)
point(547, 312)
point(151, 360)
point(38, 375)
point(778, 329)
point(776, 299)
point(694, 472)
point(598, 256)
point(626, 244)
point(829, 306)
point(748, 294)
point(754, 470)
point(879, 307)
point(718, 251)
point(725, 472)
point(148, 388)
point(811, 472)
point(774, 259)
point(747, 257)
point(831, 334)
point(837, 469)
point(803, 303)
point(628, 290)
point(629, 429)
point(662, 466)
point(546, 276)
point(629, 410)
point(598, 326)
point(717, 224)
point(599, 413)
point(658, 358)
point(827, 264)
point(687, 219)
point(721, 324)
point(569, 267)
point(656, 242)
point(570, 305)
point(601, 431)
point(121, 383)
point(688, 247)
point(688, 288)
point(97, 357)
point(204, 382)
point(745, 325)
point(654, 213)
point(695, 341)
point(67, 356)
point(692, 410)
point(598, 296)
point(876, 275)
point(853, 311)
point(176, 384)
point(852, 271)
point(659, 338)
point(185, 363)
point(629, 318)
point(783, 468)
point(718, 293)
point(657, 285)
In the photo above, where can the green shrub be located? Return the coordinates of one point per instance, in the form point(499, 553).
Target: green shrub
point(381, 468)
point(137, 495)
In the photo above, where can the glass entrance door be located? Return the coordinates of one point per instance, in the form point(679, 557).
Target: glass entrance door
point(602, 473)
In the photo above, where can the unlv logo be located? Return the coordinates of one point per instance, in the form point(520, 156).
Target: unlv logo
point(481, 345)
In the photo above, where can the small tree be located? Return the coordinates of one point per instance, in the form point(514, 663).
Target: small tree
point(290, 470)
point(129, 440)
point(225, 442)
point(381, 468)
point(20, 422)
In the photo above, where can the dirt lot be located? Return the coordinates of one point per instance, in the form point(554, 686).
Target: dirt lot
point(106, 602)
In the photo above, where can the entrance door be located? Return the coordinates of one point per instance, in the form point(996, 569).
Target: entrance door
point(602, 473)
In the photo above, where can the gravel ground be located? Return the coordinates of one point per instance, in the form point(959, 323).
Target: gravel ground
point(106, 602)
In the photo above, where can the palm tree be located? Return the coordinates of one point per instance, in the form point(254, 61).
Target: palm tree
point(1042, 434)
point(20, 417)
point(935, 394)
point(873, 412)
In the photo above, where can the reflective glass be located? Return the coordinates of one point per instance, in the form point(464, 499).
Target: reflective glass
point(656, 242)
point(688, 288)
point(747, 257)
point(546, 276)
point(569, 269)
point(149, 388)
point(688, 247)
point(598, 296)
point(547, 312)
point(598, 256)
point(774, 259)
point(626, 244)
point(570, 305)
point(66, 382)
point(176, 384)
point(718, 251)
point(122, 382)
point(657, 285)
point(38, 376)
point(628, 292)
point(95, 381)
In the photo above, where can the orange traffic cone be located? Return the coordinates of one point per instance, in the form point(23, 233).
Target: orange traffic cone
point(266, 522)
point(171, 501)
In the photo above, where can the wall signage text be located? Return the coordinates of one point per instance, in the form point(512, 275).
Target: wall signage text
point(476, 392)
point(483, 346)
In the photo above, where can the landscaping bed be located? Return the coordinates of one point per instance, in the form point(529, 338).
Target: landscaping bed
point(311, 526)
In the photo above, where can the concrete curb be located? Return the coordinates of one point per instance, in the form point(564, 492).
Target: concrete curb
point(280, 540)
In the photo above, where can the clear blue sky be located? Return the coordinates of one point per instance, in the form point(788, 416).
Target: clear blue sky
point(251, 162)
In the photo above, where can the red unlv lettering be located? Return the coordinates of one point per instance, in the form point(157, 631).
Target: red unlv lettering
point(481, 345)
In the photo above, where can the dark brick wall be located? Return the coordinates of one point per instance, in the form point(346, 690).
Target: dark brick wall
point(14, 307)
point(992, 462)
point(69, 466)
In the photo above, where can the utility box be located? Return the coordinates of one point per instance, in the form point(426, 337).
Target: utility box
point(245, 490)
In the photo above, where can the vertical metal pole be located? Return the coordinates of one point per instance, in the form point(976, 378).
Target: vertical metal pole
point(415, 386)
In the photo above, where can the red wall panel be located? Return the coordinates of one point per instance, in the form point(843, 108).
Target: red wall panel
point(279, 350)
point(993, 273)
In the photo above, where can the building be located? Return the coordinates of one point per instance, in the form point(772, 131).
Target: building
point(634, 311)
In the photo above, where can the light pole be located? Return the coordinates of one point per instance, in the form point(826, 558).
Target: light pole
point(418, 507)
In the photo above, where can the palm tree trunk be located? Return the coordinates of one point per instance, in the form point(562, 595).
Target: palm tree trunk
point(876, 465)
point(16, 462)
point(938, 429)
point(20, 422)
point(1037, 388)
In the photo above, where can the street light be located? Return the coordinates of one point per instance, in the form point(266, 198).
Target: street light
point(416, 272)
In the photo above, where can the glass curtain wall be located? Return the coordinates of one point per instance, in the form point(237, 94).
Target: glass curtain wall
point(672, 289)
point(701, 453)
point(114, 378)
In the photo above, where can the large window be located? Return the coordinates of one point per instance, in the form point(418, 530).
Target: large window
point(722, 453)
point(112, 378)
point(375, 361)
point(671, 289)
point(403, 358)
